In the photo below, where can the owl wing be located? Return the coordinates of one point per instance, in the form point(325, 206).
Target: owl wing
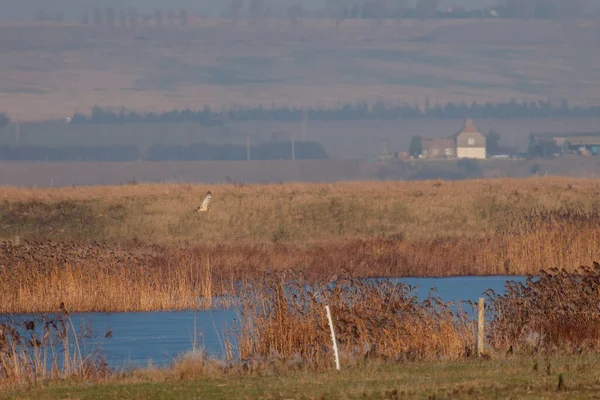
point(206, 200)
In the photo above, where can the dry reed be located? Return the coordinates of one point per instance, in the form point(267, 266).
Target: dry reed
point(284, 317)
point(37, 277)
point(46, 348)
point(557, 311)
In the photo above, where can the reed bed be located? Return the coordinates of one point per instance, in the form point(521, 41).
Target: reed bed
point(38, 276)
point(558, 311)
point(44, 348)
point(285, 317)
point(282, 327)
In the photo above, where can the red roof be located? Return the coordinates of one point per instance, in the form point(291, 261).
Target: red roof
point(469, 126)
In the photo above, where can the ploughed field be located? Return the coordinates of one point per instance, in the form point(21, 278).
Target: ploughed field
point(143, 248)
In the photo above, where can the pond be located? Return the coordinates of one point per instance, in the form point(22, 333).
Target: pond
point(140, 337)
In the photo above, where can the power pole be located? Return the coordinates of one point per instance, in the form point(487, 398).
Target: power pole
point(247, 148)
point(304, 124)
point(293, 150)
point(18, 132)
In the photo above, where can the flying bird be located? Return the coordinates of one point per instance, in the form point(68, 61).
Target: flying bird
point(205, 201)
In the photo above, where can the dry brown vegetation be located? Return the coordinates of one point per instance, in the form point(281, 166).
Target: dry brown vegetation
point(282, 328)
point(286, 213)
point(157, 254)
point(284, 316)
point(557, 310)
point(213, 63)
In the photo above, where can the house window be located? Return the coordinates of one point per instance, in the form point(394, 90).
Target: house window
point(471, 141)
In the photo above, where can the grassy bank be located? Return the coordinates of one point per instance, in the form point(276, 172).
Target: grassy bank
point(298, 213)
point(514, 377)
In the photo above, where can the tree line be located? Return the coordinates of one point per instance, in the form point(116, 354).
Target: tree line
point(345, 112)
point(194, 152)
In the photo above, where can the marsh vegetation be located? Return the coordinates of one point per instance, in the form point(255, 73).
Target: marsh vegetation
point(279, 253)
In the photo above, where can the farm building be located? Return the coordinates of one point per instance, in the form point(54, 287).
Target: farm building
point(438, 148)
point(584, 143)
point(470, 143)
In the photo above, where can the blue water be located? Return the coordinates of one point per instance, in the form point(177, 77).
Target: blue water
point(140, 337)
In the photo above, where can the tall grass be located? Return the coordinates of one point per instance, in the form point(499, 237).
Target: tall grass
point(302, 214)
point(38, 276)
point(43, 348)
point(373, 319)
point(558, 311)
point(284, 317)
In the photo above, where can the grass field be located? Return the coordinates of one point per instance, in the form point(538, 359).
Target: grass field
point(513, 377)
point(308, 213)
point(53, 70)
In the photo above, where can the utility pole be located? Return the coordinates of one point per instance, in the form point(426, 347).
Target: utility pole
point(247, 148)
point(304, 124)
point(293, 149)
point(17, 132)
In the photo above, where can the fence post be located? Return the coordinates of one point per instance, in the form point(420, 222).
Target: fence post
point(335, 349)
point(480, 326)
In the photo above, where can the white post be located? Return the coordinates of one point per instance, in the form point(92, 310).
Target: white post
point(481, 318)
point(335, 349)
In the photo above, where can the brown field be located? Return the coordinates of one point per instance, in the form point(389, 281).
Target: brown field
point(306, 213)
point(153, 242)
point(54, 70)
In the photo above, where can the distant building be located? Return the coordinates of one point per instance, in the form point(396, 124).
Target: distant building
point(438, 148)
point(583, 143)
point(470, 143)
